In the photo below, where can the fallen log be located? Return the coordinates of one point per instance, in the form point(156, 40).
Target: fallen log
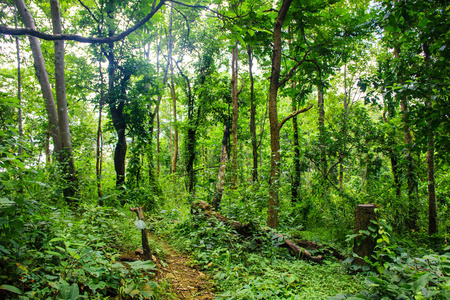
point(247, 230)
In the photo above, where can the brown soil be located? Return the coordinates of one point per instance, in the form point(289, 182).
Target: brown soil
point(185, 282)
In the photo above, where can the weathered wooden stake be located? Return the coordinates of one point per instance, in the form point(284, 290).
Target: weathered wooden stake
point(363, 244)
point(140, 214)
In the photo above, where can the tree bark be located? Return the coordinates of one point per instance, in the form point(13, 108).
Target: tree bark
point(272, 215)
point(223, 165)
point(253, 116)
point(249, 229)
point(432, 204)
point(234, 126)
point(145, 246)
point(296, 183)
point(175, 123)
point(66, 157)
point(42, 76)
point(99, 147)
point(413, 213)
point(19, 91)
point(364, 245)
point(320, 104)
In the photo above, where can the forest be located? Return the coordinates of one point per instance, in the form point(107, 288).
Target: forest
point(240, 149)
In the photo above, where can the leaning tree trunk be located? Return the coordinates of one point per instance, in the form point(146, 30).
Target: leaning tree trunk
point(42, 76)
point(223, 165)
point(66, 157)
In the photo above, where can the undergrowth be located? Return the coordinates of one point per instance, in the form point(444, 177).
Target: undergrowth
point(253, 268)
point(52, 252)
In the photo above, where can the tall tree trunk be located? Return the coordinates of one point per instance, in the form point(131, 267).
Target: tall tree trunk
point(432, 204)
point(272, 215)
point(175, 124)
point(253, 116)
point(155, 113)
point(19, 90)
point(413, 214)
point(99, 147)
point(116, 105)
point(393, 156)
point(66, 157)
point(42, 76)
point(296, 183)
point(158, 131)
point(320, 104)
point(234, 99)
point(220, 177)
point(347, 100)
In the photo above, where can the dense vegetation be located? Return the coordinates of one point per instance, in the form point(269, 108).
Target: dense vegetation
point(284, 115)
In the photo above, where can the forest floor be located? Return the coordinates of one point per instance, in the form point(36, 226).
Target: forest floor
point(184, 280)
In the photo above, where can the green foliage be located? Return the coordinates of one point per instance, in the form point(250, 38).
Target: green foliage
point(69, 255)
point(399, 273)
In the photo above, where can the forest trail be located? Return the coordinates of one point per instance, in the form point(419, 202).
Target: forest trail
point(185, 281)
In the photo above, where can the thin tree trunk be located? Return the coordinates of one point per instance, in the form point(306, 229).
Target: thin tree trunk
point(220, 177)
point(99, 149)
point(175, 124)
point(158, 130)
point(413, 214)
point(66, 157)
point(155, 113)
point(296, 185)
point(48, 159)
point(320, 103)
point(42, 76)
point(432, 204)
point(253, 116)
point(234, 99)
point(19, 91)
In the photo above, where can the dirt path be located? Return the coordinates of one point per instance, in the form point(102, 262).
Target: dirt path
point(184, 281)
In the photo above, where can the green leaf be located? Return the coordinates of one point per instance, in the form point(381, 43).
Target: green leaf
point(140, 224)
point(54, 253)
point(11, 289)
point(142, 265)
point(56, 240)
point(422, 281)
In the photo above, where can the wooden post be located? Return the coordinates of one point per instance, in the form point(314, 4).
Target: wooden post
point(363, 244)
point(146, 248)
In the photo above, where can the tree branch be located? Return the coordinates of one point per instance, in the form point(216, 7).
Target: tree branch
point(293, 70)
point(242, 86)
point(293, 115)
point(89, 11)
point(79, 38)
point(202, 7)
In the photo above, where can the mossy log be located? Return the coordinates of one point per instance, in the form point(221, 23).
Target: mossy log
point(248, 230)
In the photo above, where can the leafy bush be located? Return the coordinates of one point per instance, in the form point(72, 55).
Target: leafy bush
point(397, 274)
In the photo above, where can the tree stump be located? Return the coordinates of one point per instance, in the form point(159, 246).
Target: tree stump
point(145, 246)
point(364, 244)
